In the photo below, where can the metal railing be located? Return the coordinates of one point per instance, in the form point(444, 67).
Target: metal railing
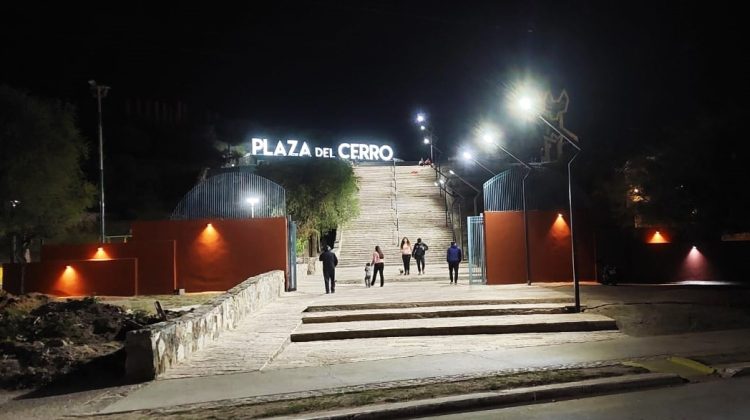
point(395, 202)
point(111, 239)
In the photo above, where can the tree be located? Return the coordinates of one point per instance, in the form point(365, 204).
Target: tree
point(42, 186)
point(321, 194)
point(692, 179)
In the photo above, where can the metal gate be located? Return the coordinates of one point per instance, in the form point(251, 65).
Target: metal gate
point(292, 252)
point(475, 229)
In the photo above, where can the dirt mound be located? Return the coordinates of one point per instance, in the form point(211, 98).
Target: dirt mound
point(43, 339)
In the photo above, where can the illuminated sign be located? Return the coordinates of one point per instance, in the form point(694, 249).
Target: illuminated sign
point(353, 151)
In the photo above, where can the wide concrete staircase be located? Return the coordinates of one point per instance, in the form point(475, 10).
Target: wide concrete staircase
point(396, 202)
point(449, 317)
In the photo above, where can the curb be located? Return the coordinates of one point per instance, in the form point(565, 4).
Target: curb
point(527, 395)
point(733, 370)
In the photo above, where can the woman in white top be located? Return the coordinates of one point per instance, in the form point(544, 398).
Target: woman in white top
point(377, 262)
point(406, 254)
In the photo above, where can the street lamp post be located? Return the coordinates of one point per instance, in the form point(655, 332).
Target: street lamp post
point(527, 105)
point(469, 156)
point(477, 190)
point(576, 286)
point(100, 91)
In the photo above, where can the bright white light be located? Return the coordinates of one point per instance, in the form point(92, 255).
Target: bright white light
point(252, 200)
point(436, 184)
point(526, 104)
point(426, 140)
point(442, 181)
point(421, 127)
point(488, 138)
point(467, 155)
point(420, 118)
point(451, 171)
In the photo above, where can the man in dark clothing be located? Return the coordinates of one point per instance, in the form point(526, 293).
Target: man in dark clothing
point(420, 248)
point(454, 258)
point(329, 268)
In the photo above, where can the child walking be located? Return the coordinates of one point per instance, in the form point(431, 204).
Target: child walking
point(368, 274)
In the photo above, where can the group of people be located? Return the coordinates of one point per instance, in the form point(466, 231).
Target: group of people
point(454, 256)
point(425, 162)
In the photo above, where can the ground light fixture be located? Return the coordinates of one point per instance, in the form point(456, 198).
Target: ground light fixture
point(529, 105)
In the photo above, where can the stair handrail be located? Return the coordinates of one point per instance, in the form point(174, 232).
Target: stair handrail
point(395, 199)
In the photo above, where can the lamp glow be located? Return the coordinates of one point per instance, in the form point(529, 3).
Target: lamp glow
point(420, 118)
point(421, 127)
point(467, 155)
point(426, 140)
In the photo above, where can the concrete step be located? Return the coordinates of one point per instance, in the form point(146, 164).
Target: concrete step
point(540, 323)
point(432, 312)
point(434, 303)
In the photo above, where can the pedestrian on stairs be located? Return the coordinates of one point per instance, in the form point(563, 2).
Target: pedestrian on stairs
point(454, 257)
point(377, 262)
point(406, 254)
point(420, 248)
point(329, 269)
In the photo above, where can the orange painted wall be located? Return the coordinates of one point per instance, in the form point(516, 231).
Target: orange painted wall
point(223, 255)
point(504, 247)
point(84, 278)
point(549, 244)
point(157, 270)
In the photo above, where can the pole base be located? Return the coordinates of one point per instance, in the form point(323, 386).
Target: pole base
point(573, 310)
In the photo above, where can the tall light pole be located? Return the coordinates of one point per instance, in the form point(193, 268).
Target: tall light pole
point(477, 190)
point(469, 156)
point(100, 91)
point(526, 104)
point(491, 139)
point(428, 139)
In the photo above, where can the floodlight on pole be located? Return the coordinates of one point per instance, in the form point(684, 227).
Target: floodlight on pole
point(99, 92)
point(527, 104)
point(468, 156)
point(469, 184)
point(420, 118)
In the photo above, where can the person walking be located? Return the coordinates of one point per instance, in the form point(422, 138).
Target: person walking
point(329, 269)
point(454, 257)
point(406, 254)
point(377, 262)
point(420, 248)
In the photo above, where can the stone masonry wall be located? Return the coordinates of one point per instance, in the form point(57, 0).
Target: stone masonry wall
point(151, 350)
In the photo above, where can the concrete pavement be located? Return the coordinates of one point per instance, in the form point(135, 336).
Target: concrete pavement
point(307, 381)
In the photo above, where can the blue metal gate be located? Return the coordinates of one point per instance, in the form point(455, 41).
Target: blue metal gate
point(475, 229)
point(292, 252)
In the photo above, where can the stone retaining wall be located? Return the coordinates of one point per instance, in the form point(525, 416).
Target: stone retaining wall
point(150, 351)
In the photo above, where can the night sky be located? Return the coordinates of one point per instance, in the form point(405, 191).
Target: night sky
point(327, 71)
